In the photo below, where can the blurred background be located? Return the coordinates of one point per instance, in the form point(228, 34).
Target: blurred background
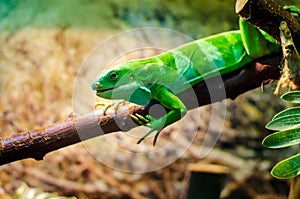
point(42, 46)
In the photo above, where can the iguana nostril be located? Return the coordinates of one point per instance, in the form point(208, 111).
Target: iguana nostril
point(96, 85)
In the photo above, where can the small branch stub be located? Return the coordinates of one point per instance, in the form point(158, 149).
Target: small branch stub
point(242, 7)
point(205, 181)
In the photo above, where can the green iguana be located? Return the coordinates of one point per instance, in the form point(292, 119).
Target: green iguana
point(163, 76)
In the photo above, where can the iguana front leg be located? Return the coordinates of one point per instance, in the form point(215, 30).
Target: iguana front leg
point(169, 101)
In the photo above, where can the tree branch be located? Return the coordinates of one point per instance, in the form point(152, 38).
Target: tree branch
point(37, 143)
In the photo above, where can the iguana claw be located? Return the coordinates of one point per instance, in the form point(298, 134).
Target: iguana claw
point(141, 120)
point(148, 121)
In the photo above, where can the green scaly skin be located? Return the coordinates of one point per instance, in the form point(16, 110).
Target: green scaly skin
point(163, 76)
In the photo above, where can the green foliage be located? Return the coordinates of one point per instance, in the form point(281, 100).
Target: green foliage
point(283, 138)
point(24, 192)
point(284, 122)
point(287, 122)
point(293, 97)
point(287, 112)
point(196, 18)
point(190, 17)
point(287, 168)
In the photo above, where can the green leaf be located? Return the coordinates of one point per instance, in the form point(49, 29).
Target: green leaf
point(288, 168)
point(284, 122)
point(282, 138)
point(293, 96)
point(287, 112)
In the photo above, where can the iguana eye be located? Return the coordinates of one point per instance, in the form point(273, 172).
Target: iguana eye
point(113, 75)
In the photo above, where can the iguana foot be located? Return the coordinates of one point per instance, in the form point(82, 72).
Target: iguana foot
point(148, 121)
point(294, 10)
point(105, 106)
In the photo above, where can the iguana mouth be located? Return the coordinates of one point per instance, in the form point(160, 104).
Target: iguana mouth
point(103, 90)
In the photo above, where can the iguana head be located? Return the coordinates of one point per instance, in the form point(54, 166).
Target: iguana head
point(122, 82)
